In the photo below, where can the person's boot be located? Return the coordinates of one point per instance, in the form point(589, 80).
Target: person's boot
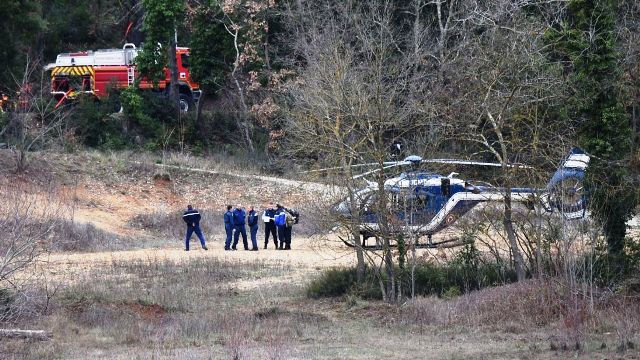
point(204, 248)
point(281, 246)
point(265, 246)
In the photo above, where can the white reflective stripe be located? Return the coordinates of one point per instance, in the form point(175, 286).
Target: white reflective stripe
point(579, 161)
point(462, 196)
point(451, 204)
point(195, 213)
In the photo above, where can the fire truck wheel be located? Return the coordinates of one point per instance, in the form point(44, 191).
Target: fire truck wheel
point(117, 106)
point(185, 102)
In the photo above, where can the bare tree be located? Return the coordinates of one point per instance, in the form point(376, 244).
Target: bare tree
point(352, 98)
point(28, 218)
point(36, 120)
point(501, 95)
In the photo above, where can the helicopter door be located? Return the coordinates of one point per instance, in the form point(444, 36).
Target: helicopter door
point(441, 195)
point(445, 187)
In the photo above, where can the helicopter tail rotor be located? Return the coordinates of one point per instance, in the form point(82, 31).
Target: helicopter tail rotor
point(565, 191)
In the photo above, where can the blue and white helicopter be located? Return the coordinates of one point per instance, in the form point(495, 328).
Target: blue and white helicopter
point(424, 203)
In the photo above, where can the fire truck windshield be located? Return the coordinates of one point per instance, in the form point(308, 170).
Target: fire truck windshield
point(184, 58)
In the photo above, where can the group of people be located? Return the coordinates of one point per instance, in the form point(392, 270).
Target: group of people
point(278, 222)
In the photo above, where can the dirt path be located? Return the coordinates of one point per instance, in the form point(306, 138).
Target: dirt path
point(304, 255)
point(305, 260)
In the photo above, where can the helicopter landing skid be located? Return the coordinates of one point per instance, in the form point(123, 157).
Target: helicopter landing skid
point(444, 244)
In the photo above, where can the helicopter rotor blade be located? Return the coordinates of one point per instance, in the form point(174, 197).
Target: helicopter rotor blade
point(414, 159)
point(473, 163)
point(398, 163)
point(351, 166)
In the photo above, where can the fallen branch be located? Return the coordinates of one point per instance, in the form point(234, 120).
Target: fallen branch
point(25, 334)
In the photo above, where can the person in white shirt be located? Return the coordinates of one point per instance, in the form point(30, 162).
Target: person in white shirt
point(269, 225)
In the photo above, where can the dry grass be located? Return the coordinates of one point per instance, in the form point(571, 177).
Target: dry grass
point(170, 225)
point(145, 304)
point(162, 308)
point(572, 321)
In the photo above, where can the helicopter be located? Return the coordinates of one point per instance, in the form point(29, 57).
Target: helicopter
point(426, 203)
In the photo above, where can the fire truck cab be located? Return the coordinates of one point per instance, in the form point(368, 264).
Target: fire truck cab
point(97, 72)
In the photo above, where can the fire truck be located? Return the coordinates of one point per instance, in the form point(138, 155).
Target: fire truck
point(4, 102)
point(97, 72)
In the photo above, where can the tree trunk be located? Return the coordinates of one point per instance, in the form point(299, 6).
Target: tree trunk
point(360, 268)
point(199, 107)
point(174, 90)
point(511, 235)
point(243, 122)
point(388, 264)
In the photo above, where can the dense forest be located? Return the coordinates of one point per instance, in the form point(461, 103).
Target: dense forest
point(337, 82)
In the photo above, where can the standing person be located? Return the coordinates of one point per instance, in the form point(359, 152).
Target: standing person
point(252, 221)
point(228, 227)
point(281, 224)
point(291, 218)
point(239, 216)
point(192, 218)
point(269, 225)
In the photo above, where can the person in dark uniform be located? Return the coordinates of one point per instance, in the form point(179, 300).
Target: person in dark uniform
point(280, 222)
point(192, 218)
point(239, 218)
point(269, 225)
point(288, 226)
point(228, 227)
point(252, 221)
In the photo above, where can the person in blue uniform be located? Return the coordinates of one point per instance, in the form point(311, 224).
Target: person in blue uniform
point(192, 218)
point(280, 222)
point(228, 227)
point(269, 225)
point(239, 218)
point(252, 221)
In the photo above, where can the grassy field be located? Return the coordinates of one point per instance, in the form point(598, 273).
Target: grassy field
point(201, 307)
point(118, 285)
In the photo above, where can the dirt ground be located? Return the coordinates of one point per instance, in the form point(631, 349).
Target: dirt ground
point(132, 302)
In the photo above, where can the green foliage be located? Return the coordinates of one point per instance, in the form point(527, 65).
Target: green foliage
point(6, 298)
point(452, 292)
point(611, 269)
point(93, 125)
point(212, 52)
point(332, 283)
point(146, 121)
point(467, 272)
point(588, 42)
point(162, 18)
point(21, 22)
point(73, 25)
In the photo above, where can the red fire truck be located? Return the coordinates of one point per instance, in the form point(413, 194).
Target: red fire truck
point(95, 72)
